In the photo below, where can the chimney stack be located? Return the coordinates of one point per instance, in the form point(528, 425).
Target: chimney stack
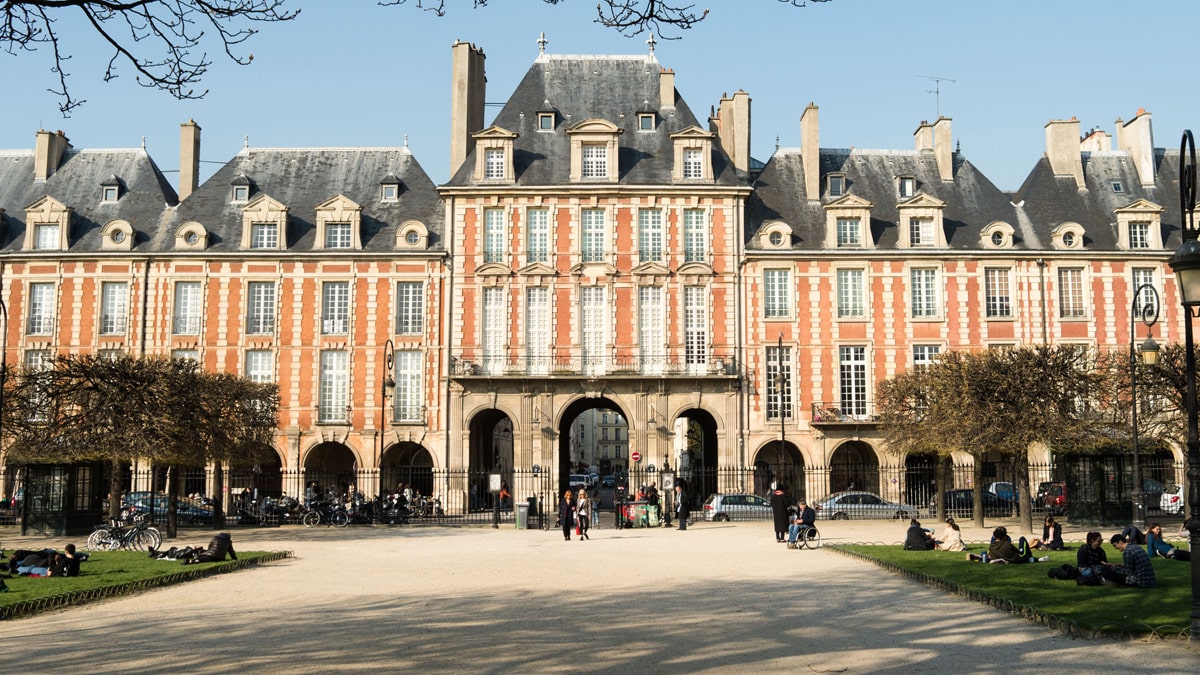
point(468, 84)
point(1137, 139)
point(189, 158)
point(666, 88)
point(923, 137)
point(943, 150)
point(1097, 140)
point(1062, 150)
point(732, 126)
point(47, 153)
point(810, 152)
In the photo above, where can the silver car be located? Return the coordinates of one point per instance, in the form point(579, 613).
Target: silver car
point(857, 504)
point(725, 507)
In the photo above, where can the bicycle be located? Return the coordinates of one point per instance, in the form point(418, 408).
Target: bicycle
point(116, 535)
point(808, 537)
point(330, 514)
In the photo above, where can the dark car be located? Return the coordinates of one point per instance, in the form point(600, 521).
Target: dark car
point(187, 511)
point(961, 504)
point(1052, 496)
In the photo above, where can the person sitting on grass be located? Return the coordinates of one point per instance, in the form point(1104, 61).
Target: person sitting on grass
point(1051, 536)
point(1155, 545)
point(952, 538)
point(1002, 550)
point(918, 538)
point(67, 564)
point(1135, 569)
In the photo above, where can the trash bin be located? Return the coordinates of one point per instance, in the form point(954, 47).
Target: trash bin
point(522, 516)
point(534, 518)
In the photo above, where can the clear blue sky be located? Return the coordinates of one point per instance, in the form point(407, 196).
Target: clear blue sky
point(352, 73)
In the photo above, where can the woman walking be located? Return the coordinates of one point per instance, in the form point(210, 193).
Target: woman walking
point(566, 513)
point(583, 514)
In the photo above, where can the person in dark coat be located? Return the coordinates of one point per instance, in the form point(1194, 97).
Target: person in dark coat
point(683, 510)
point(918, 538)
point(218, 547)
point(566, 513)
point(779, 507)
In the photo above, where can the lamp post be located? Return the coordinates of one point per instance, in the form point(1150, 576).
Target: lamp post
point(386, 387)
point(779, 381)
point(1186, 265)
point(1148, 311)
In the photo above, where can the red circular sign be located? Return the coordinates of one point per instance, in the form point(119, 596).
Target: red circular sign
point(635, 456)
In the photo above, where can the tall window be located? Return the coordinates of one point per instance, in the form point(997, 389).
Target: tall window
point(260, 366)
point(850, 304)
point(837, 185)
point(908, 186)
point(335, 386)
point(410, 308)
point(495, 330)
point(779, 383)
point(409, 393)
point(849, 233)
point(650, 235)
point(920, 232)
point(853, 370)
point(493, 163)
point(538, 341)
point(777, 294)
point(264, 235)
point(998, 297)
point(1070, 294)
point(651, 327)
point(538, 235)
point(593, 235)
point(335, 308)
point(260, 307)
point(493, 235)
point(1139, 235)
point(595, 160)
point(337, 235)
point(114, 307)
point(693, 165)
point(594, 312)
point(185, 320)
point(695, 236)
point(45, 237)
point(924, 293)
point(924, 355)
point(1144, 278)
point(38, 360)
point(41, 309)
point(695, 328)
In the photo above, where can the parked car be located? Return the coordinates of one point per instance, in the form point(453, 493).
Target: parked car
point(608, 482)
point(579, 480)
point(1153, 491)
point(187, 511)
point(1171, 500)
point(1052, 496)
point(1004, 490)
point(858, 504)
point(961, 504)
point(726, 507)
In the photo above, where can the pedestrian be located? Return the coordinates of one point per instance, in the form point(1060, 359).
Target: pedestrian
point(566, 513)
point(779, 507)
point(583, 514)
point(683, 510)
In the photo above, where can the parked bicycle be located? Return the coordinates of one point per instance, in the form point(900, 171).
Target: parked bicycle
point(116, 535)
point(325, 512)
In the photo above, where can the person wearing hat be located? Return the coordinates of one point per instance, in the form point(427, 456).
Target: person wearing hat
point(804, 519)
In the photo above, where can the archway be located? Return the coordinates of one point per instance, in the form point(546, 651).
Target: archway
point(781, 465)
point(920, 479)
point(697, 461)
point(854, 466)
point(590, 431)
point(406, 464)
point(332, 467)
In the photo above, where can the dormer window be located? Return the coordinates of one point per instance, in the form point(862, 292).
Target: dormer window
point(493, 163)
point(847, 223)
point(594, 151)
point(907, 186)
point(337, 235)
point(389, 189)
point(646, 121)
point(50, 225)
point(240, 189)
point(920, 233)
point(1117, 187)
point(494, 155)
point(837, 184)
point(849, 233)
point(339, 221)
point(997, 234)
point(1067, 236)
point(264, 235)
point(921, 224)
point(545, 121)
point(997, 239)
point(264, 224)
point(693, 163)
point(693, 155)
point(110, 190)
point(1139, 235)
point(595, 160)
point(1068, 240)
point(1139, 226)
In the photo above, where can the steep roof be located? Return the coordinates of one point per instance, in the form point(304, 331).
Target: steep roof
point(578, 88)
point(145, 194)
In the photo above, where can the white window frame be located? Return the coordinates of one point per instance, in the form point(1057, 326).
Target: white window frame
point(1143, 276)
point(46, 237)
point(182, 355)
point(593, 305)
point(851, 294)
point(650, 235)
point(652, 342)
point(593, 161)
point(260, 307)
point(495, 330)
point(260, 365)
point(538, 337)
point(188, 308)
point(1071, 296)
point(997, 285)
point(408, 399)
point(852, 380)
point(693, 163)
point(114, 307)
point(779, 403)
point(334, 389)
point(493, 163)
point(695, 329)
point(849, 233)
point(40, 320)
point(264, 235)
point(338, 236)
point(335, 308)
point(920, 233)
point(925, 355)
point(537, 236)
point(410, 308)
point(924, 293)
point(1139, 235)
point(777, 294)
point(695, 235)
point(494, 235)
point(594, 238)
point(907, 186)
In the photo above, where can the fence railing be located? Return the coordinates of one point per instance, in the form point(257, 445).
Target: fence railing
point(710, 365)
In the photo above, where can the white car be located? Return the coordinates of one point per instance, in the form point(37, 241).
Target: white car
point(1171, 500)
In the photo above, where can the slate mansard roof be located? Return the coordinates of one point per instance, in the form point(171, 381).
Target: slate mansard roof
point(302, 179)
point(578, 88)
point(145, 195)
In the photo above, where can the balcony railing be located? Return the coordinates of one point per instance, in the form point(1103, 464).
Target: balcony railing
point(586, 366)
point(850, 411)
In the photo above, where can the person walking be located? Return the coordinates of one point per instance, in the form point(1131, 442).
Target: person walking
point(583, 514)
point(566, 513)
point(683, 510)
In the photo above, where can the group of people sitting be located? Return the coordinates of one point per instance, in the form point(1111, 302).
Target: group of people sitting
point(921, 539)
point(218, 547)
point(46, 562)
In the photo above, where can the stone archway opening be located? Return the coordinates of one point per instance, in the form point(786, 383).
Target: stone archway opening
point(854, 466)
point(593, 442)
point(406, 465)
point(783, 465)
point(697, 453)
point(330, 469)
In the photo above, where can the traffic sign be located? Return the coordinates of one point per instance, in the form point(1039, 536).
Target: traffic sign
point(635, 456)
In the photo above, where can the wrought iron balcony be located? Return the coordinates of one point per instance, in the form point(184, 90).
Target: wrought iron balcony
point(847, 411)
point(576, 365)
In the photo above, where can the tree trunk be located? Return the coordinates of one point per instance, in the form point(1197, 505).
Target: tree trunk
point(1024, 503)
point(945, 464)
point(172, 502)
point(977, 495)
point(115, 491)
point(219, 497)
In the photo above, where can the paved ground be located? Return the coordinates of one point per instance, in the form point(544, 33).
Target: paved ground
point(719, 598)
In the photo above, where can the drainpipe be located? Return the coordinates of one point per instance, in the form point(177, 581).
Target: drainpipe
point(1041, 263)
point(145, 300)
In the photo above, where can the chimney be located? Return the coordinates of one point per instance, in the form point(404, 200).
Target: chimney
point(1062, 149)
point(666, 88)
point(923, 137)
point(1137, 139)
point(810, 152)
point(733, 129)
point(943, 150)
point(47, 153)
point(189, 158)
point(1097, 140)
point(466, 101)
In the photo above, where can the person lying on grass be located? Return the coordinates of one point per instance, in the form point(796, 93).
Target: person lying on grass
point(1002, 550)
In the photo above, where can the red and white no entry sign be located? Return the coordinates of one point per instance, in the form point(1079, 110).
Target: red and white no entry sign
point(636, 456)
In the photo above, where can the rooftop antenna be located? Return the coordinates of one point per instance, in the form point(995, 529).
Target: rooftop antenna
point(937, 90)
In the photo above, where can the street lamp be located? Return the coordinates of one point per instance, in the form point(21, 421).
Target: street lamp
point(779, 381)
point(1186, 265)
point(387, 386)
point(1149, 355)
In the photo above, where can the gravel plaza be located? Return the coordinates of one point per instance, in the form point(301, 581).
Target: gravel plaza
point(718, 598)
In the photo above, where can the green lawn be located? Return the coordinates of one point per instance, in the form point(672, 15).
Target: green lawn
point(1090, 607)
point(111, 573)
